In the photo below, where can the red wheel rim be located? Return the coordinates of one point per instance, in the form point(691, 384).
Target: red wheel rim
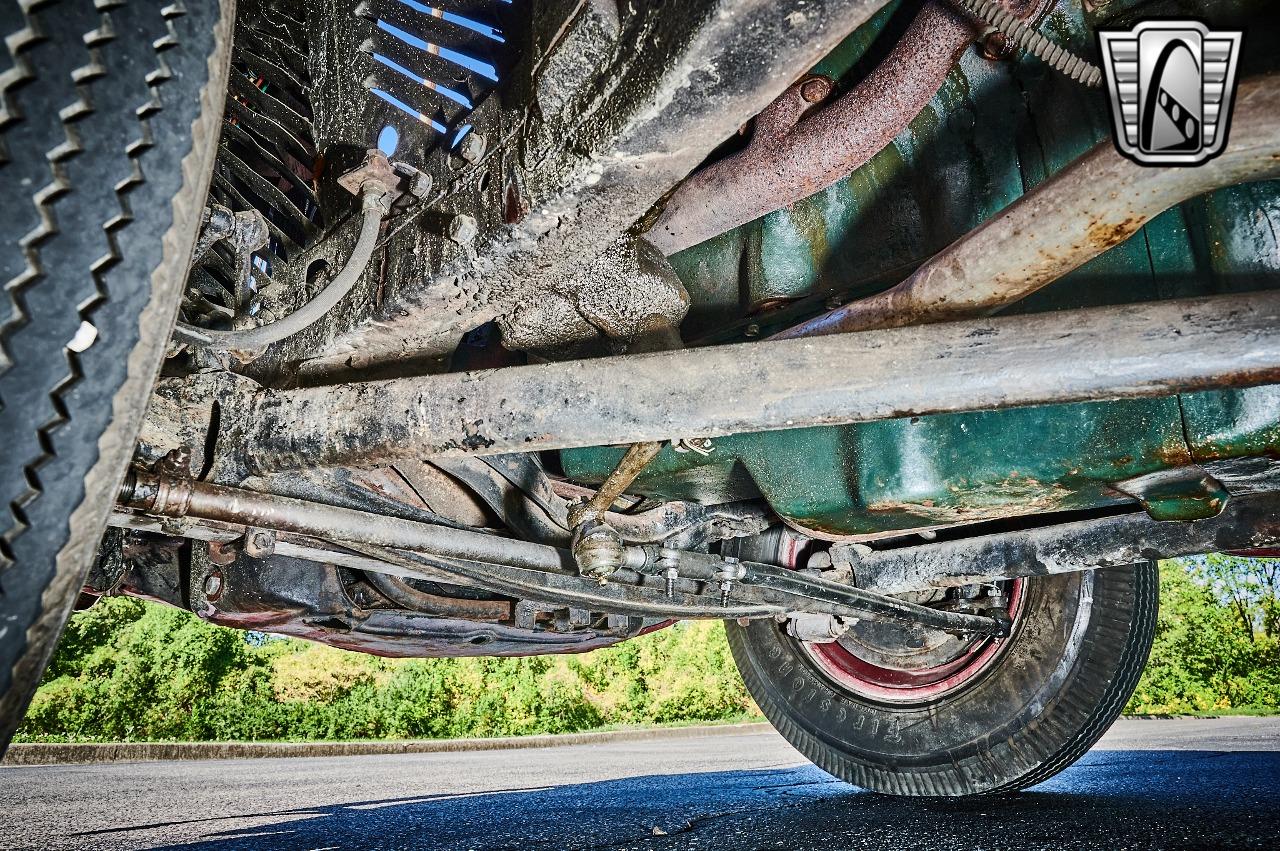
point(893, 685)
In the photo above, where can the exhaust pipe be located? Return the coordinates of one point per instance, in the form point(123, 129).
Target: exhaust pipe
point(1097, 202)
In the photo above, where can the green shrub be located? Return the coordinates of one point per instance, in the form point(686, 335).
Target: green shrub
point(1216, 646)
point(134, 671)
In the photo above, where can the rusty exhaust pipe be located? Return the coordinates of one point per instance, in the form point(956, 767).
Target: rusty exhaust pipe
point(790, 157)
point(1093, 204)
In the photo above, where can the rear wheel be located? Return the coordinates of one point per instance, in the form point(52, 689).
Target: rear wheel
point(907, 712)
point(108, 127)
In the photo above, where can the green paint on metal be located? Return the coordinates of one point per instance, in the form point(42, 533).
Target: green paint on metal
point(995, 130)
point(1178, 493)
point(838, 63)
point(924, 471)
point(1233, 423)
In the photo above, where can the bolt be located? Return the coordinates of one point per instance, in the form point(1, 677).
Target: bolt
point(996, 46)
point(177, 462)
point(223, 553)
point(816, 89)
point(213, 585)
point(420, 186)
point(765, 305)
point(260, 543)
point(463, 229)
point(472, 147)
point(752, 330)
point(833, 302)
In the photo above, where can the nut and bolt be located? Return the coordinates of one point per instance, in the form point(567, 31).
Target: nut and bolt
point(212, 586)
point(752, 330)
point(699, 445)
point(463, 229)
point(418, 182)
point(731, 570)
point(223, 553)
point(260, 543)
point(995, 46)
point(176, 462)
point(420, 185)
point(472, 147)
point(816, 89)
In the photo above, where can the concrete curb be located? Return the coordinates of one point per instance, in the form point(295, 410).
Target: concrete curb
point(66, 754)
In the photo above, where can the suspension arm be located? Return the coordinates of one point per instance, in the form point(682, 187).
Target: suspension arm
point(533, 570)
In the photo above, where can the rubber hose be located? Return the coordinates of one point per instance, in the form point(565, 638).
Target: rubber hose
point(374, 207)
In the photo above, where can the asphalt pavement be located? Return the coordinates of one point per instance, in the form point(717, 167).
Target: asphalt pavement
point(1184, 784)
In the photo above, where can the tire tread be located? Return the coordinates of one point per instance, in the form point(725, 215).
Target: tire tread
point(106, 150)
point(1039, 753)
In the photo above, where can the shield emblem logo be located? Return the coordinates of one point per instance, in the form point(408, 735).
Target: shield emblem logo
point(1172, 84)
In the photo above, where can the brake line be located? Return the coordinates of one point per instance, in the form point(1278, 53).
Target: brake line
point(376, 195)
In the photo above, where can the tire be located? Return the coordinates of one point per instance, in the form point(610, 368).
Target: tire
point(1078, 647)
point(109, 122)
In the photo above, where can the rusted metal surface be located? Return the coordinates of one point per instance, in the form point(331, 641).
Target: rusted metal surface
point(613, 128)
point(791, 157)
point(1246, 522)
point(1095, 204)
point(818, 593)
point(637, 458)
point(630, 296)
point(1017, 35)
point(597, 546)
point(224, 535)
point(517, 489)
point(1134, 351)
point(176, 497)
point(527, 570)
point(301, 592)
point(414, 599)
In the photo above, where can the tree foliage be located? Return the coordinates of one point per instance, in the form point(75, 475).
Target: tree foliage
point(126, 670)
point(1217, 643)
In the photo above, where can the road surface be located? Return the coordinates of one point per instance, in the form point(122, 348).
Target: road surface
point(1149, 784)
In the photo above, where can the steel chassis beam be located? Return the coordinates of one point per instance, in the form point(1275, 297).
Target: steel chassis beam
point(1141, 350)
point(1246, 522)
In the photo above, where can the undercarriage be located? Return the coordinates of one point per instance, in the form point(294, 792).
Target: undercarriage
point(515, 329)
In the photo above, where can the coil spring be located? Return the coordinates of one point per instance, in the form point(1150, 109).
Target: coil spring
point(1026, 38)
